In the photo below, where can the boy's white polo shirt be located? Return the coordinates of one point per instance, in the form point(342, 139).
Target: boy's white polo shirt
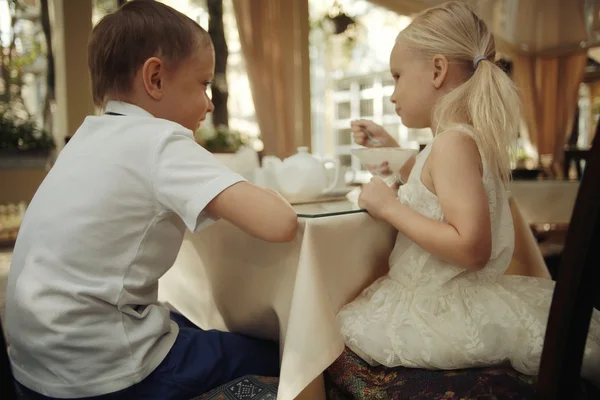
point(104, 226)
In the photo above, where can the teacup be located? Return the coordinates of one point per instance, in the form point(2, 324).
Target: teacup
point(383, 161)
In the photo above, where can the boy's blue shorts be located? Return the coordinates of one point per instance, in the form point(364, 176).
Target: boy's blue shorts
point(198, 362)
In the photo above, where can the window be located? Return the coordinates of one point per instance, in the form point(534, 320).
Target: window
point(388, 107)
point(366, 108)
point(345, 137)
point(242, 115)
point(356, 87)
point(366, 84)
point(344, 110)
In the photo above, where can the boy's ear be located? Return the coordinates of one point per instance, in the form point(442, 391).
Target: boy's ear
point(153, 72)
point(440, 70)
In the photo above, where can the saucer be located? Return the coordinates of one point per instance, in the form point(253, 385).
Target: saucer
point(336, 194)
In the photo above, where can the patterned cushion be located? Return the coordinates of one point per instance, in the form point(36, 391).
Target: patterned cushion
point(351, 378)
point(245, 388)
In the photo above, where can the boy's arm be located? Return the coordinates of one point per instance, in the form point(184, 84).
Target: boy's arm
point(189, 181)
point(262, 213)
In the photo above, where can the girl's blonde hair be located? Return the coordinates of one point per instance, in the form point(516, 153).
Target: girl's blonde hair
point(489, 99)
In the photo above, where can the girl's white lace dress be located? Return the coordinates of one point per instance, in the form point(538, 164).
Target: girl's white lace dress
point(427, 313)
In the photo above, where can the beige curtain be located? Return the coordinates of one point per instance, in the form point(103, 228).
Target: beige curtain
point(404, 7)
point(274, 40)
point(549, 92)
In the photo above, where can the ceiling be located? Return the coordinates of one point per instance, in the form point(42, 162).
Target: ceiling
point(533, 26)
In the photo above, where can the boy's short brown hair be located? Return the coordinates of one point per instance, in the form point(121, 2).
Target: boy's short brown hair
point(122, 41)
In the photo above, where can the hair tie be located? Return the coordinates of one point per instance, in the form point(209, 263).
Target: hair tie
point(477, 59)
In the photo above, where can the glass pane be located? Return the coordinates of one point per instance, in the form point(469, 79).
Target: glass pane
point(388, 81)
point(388, 107)
point(366, 108)
point(345, 160)
point(343, 86)
point(344, 137)
point(327, 209)
point(366, 85)
point(344, 110)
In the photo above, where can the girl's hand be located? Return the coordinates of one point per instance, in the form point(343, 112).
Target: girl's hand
point(375, 197)
point(362, 127)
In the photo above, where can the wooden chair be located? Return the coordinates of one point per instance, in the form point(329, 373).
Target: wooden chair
point(575, 155)
point(577, 287)
point(575, 293)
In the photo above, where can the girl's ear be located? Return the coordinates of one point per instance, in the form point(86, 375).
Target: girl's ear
point(440, 70)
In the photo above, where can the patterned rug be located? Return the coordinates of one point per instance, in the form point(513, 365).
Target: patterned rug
point(245, 388)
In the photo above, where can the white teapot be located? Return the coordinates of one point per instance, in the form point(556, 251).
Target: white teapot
point(302, 175)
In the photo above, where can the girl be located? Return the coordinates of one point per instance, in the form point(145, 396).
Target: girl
point(445, 303)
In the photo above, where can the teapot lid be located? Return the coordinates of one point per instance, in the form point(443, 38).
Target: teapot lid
point(302, 149)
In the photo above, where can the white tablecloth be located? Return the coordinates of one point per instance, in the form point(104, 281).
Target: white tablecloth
point(224, 279)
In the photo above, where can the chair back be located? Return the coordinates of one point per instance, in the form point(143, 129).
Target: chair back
point(576, 292)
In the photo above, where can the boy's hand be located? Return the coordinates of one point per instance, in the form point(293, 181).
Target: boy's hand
point(376, 196)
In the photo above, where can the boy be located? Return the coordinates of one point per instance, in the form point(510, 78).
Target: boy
point(82, 313)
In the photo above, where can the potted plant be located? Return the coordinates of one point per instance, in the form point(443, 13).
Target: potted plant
point(339, 27)
point(525, 167)
point(221, 139)
point(20, 140)
point(232, 148)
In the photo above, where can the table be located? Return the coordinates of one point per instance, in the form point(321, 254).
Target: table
point(225, 279)
point(545, 201)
